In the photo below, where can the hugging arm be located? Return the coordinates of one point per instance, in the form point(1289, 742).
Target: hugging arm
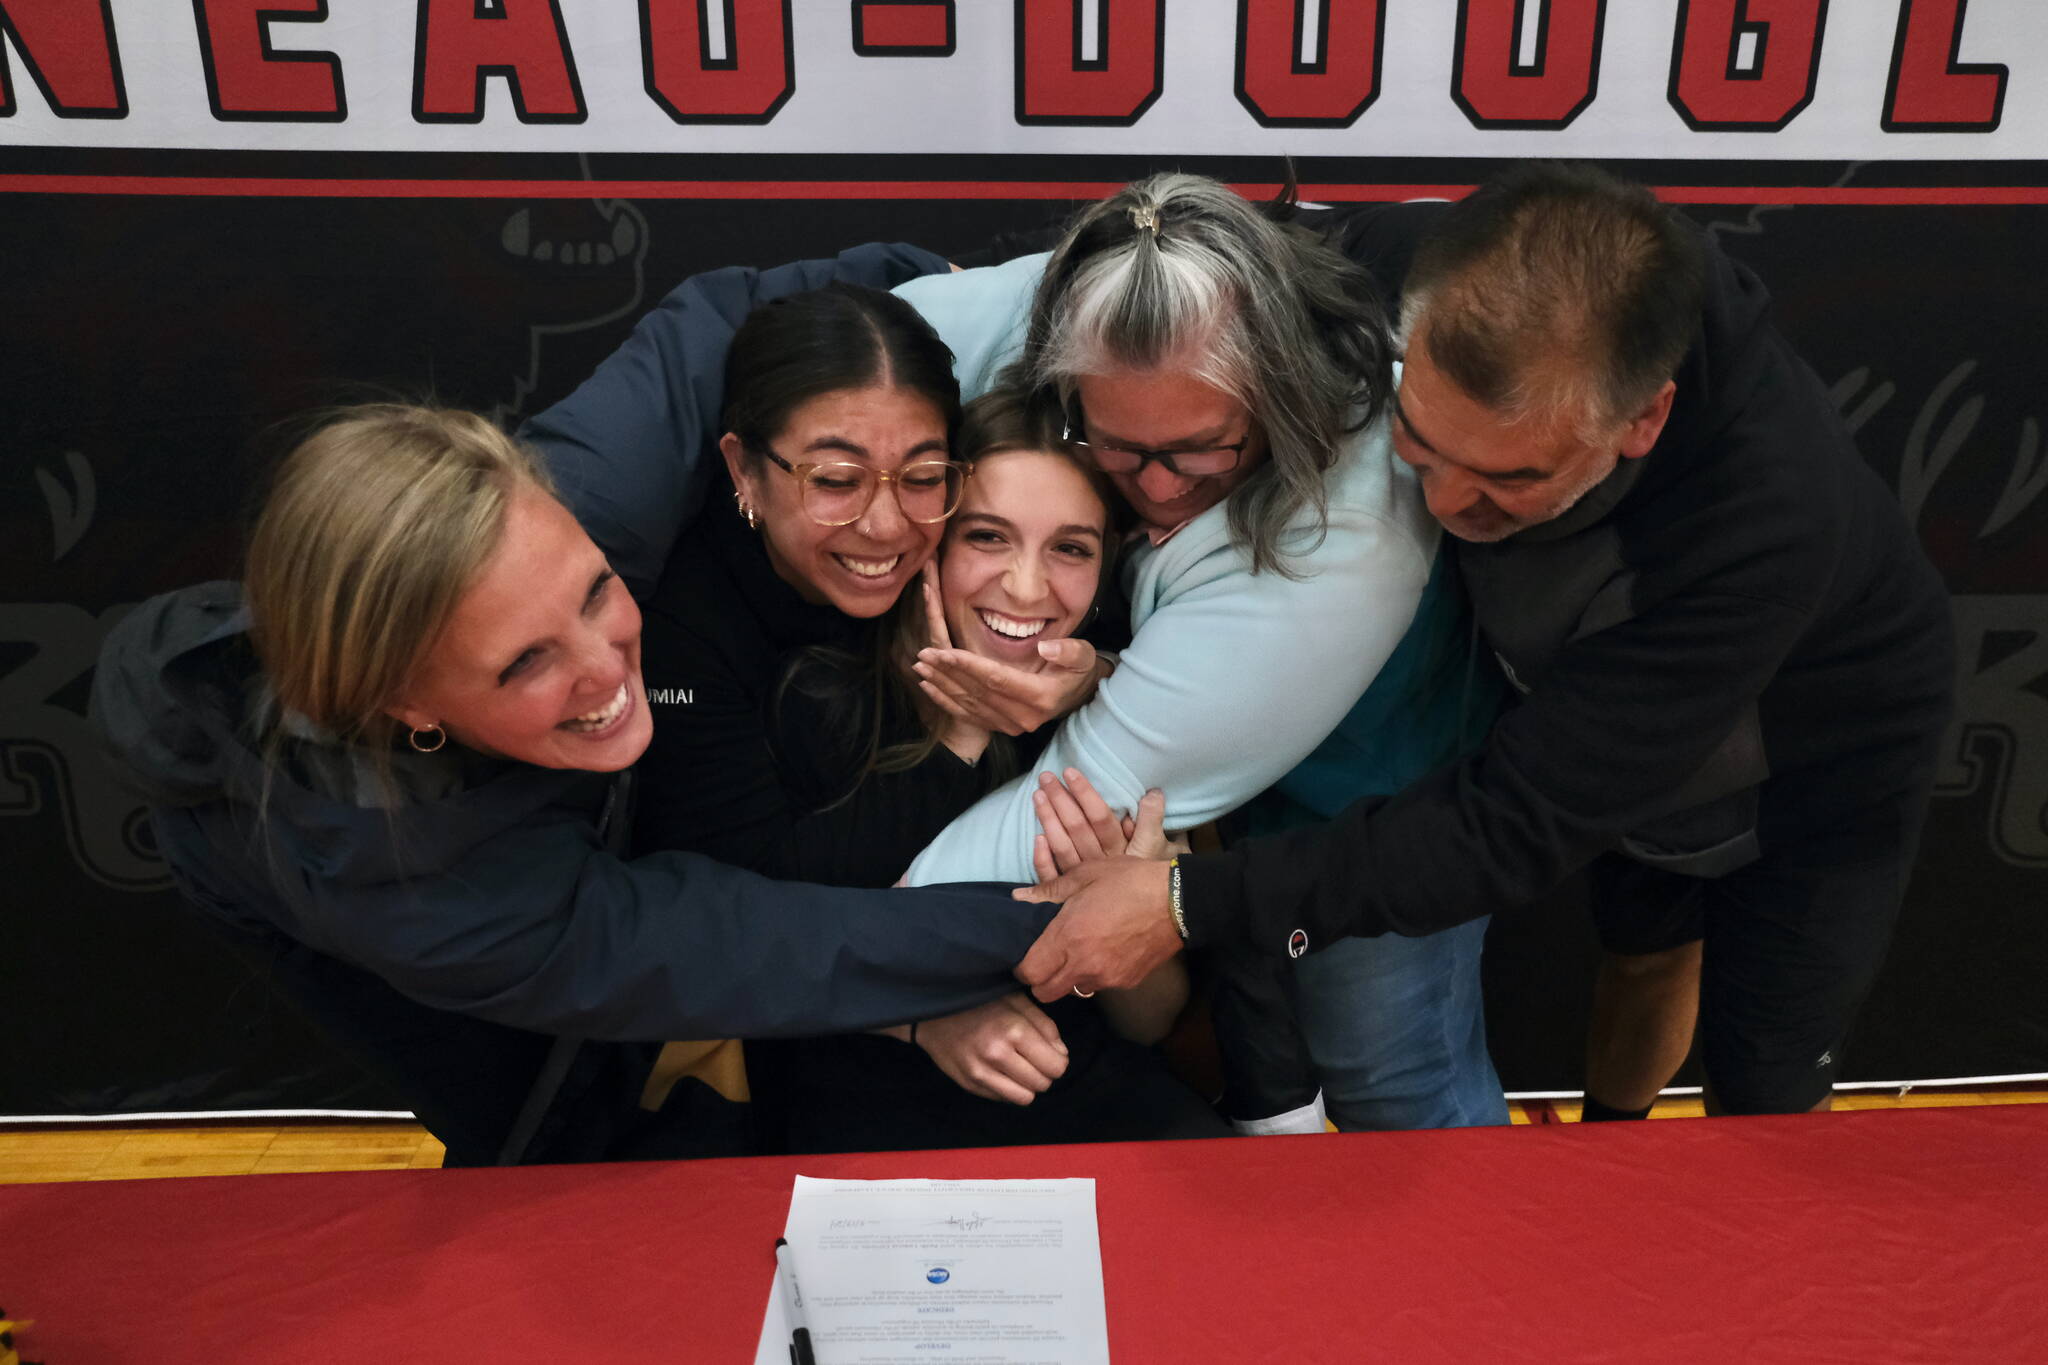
point(1225, 687)
point(1623, 717)
point(1080, 828)
point(539, 928)
point(633, 449)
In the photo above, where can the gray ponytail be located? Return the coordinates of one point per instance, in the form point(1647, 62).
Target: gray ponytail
point(1178, 265)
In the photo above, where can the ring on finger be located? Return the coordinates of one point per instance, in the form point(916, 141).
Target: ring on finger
point(1085, 995)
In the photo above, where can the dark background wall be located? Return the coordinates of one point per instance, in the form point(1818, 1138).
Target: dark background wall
point(215, 216)
point(151, 342)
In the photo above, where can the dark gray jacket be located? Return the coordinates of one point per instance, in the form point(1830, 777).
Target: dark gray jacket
point(1733, 645)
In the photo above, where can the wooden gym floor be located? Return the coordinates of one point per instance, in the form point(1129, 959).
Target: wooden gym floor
point(31, 1154)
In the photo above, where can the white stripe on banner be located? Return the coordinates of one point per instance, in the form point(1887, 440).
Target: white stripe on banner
point(1746, 48)
point(717, 42)
point(1530, 38)
point(1841, 82)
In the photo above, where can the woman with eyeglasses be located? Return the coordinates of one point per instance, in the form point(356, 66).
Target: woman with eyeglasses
point(839, 412)
point(1296, 643)
point(790, 737)
point(390, 768)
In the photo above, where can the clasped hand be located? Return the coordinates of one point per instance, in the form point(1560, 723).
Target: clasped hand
point(1078, 827)
point(1008, 1049)
point(999, 696)
point(1114, 928)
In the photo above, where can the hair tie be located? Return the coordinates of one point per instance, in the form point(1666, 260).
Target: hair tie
point(1145, 217)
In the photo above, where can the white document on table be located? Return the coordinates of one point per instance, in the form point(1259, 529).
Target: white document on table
point(975, 1272)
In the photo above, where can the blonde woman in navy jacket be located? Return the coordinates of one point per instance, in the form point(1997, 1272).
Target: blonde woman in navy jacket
point(425, 863)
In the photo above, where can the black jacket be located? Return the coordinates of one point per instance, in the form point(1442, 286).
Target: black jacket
point(1734, 645)
point(498, 902)
point(756, 774)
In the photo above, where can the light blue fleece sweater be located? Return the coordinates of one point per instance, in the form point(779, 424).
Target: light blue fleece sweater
point(1232, 679)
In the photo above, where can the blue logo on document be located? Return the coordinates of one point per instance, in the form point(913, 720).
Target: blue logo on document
point(938, 1274)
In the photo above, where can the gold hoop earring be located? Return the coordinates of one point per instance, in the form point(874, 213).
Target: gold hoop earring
point(739, 500)
point(440, 738)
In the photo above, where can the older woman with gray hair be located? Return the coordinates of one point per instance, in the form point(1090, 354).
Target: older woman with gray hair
point(1296, 643)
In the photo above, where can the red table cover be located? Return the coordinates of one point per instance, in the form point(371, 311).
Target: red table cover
point(1878, 1236)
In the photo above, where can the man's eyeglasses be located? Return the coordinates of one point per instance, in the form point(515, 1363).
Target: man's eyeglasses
point(838, 494)
point(1187, 464)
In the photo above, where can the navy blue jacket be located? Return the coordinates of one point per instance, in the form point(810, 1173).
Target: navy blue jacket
point(500, 902)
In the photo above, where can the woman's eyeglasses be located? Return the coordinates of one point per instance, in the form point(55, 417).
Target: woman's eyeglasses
point(1187, 464)
point(838, 494)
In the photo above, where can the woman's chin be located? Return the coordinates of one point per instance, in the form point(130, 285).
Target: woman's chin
point(616, 747)
point(610, 758)
point(854, 585)
point(627, 750)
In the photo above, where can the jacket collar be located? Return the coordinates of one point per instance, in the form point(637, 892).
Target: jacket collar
point(788, 620)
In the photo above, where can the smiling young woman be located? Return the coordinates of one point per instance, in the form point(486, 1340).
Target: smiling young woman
point(811, 748)
point(539, 660)
point(1024, 555)
point(851, 492)
point(1024, 560)
point(839, 408)
point(1295, 642)
point(387, 771)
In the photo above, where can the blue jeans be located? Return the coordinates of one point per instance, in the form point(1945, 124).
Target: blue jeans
point(1397, 1028)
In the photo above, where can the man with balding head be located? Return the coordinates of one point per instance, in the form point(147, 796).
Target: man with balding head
point(1734, 659)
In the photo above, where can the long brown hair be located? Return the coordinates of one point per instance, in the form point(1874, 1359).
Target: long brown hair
point(876, 684)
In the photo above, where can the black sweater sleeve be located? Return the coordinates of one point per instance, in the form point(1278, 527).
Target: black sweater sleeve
point(539, 928)
point(764, 785)
point(1564, 774)
point(1734, 564)
point(1625, 715)
point(860, 830)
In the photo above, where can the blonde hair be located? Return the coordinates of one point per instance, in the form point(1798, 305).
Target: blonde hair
point(376, 524)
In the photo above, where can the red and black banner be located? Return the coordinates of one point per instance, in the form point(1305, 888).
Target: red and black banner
point(219, 213)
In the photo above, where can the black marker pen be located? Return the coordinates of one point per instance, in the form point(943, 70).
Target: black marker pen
point(793, 1301)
